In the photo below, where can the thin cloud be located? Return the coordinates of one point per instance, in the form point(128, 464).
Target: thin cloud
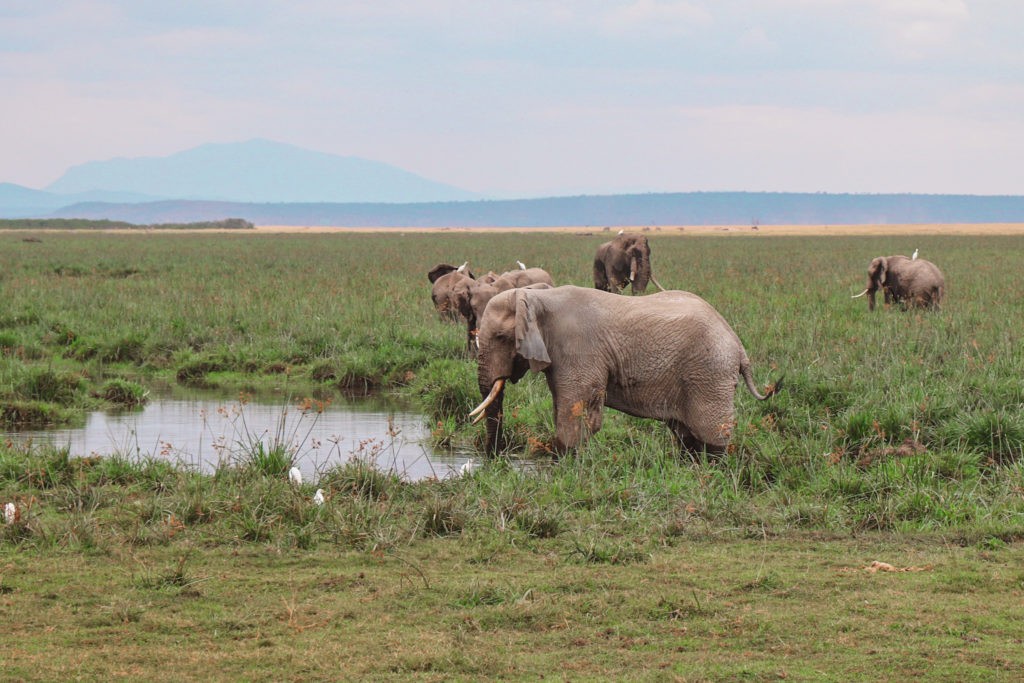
point(654, 17)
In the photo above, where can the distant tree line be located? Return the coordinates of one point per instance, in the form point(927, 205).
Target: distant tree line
point(85, 224)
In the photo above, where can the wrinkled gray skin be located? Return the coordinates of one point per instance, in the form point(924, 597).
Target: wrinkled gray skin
point(623, 261)
point(669, 356)
point(911, 283)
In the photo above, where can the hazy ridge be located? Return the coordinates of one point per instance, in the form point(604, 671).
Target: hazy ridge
point(691, 208)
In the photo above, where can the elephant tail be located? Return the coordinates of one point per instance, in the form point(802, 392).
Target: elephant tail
point(748, 377)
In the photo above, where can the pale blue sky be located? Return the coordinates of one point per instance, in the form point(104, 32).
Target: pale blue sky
point(535, 98)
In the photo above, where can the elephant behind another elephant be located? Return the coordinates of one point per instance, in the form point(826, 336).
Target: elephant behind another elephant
point(910, 282)
point(456, 293)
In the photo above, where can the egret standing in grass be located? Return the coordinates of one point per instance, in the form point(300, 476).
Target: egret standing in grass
point(522, 266)
point(468, 467)
point(295, 476)
point(913, 257)
point(318, 497)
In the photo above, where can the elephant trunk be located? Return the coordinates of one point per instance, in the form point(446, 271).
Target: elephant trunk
point(495, 426)
point(640, 267)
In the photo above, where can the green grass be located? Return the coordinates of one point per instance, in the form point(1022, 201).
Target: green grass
point(898, 437)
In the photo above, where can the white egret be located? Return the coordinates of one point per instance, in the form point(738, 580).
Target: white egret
point(468, 468)
point(318, 497)
point(10, 513)
point(621, 231)
point(295, 476)
point(462, 268)
point(913, 257)
point(522, 266)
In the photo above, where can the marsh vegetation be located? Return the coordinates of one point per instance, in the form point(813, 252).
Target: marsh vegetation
point(898, 437)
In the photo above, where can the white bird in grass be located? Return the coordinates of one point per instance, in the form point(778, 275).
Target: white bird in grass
point(295, 476)
point(621, 231)
point(468, 468)
point(10, 513)
point(913, 257)
point(462, 268)
point(318, 497)
point(522, 266)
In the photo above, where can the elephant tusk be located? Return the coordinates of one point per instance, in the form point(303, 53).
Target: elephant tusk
point(478, 418)
point(859, 295)
point(496, 388)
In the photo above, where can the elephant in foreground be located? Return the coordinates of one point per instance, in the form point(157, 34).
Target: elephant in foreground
point(669, 356)
point(626, 260)
point(910, 282)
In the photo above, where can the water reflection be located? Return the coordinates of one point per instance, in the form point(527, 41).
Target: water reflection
point(204, 432)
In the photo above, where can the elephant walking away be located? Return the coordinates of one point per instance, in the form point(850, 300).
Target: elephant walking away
point(626, 260)
point(669, 356)
point(910, 282)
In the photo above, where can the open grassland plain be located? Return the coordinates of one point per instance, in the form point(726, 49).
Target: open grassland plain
point(898, 439)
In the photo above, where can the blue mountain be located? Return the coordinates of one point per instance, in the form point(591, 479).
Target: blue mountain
point(17, 201)
point(256, 171)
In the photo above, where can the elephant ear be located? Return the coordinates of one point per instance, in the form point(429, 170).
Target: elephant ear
point(439, 270)
point(880, 267)
point(529, 342)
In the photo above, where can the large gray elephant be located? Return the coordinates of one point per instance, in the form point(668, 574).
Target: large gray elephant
point(910, 282)
point(669, 356)
point(623, 261)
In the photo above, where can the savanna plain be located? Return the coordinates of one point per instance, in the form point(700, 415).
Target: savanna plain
point(866, 522)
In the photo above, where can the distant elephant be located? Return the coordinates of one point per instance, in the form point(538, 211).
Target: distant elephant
point(623, 261)
point(910, 282)
point(669, 356)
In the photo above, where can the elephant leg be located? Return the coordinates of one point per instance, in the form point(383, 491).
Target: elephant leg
point(576, 419)
point(708, 425)
point(689, 444)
